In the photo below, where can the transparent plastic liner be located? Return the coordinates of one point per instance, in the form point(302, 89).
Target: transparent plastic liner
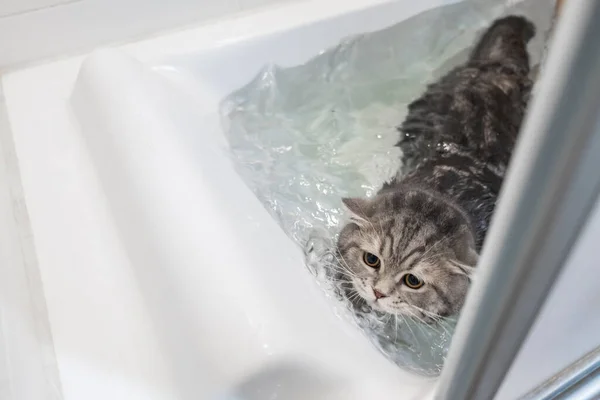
point(304, 137)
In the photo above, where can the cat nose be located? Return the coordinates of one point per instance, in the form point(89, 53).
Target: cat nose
point(378, 294)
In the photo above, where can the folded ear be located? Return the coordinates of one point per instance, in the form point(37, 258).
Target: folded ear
point(466, 267)
point(472, 257)
point(360, 209)
point(462, 269)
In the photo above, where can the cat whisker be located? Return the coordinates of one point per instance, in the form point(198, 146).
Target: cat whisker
point(343, 263)
point(439, 320)
point(429, 326)
point(354, 296)
point(420, 326)
point(340, 268)
point(428, 313)
point(409, 328)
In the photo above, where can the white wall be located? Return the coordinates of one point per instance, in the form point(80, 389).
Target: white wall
point(31, 30)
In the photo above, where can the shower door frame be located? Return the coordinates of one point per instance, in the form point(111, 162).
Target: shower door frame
point(551, 189)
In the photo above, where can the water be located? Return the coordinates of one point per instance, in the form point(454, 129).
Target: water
point(304, 137)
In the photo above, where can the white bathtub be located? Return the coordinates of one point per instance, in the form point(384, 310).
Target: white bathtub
point(157, 272)
point(163, 275)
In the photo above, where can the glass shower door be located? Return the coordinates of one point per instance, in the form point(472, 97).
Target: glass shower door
point(551, 190)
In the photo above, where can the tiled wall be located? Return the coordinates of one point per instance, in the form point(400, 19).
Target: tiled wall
point(31, 30)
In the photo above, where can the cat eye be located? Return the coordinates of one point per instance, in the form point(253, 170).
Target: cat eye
point(412, 281)
point(371, 260)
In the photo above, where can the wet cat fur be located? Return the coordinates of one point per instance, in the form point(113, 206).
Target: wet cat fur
point(428, 224)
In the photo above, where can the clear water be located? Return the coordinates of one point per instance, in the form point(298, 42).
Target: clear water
point(304, 137)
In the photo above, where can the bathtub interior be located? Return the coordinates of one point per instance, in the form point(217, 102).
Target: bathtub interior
point(175, 282)
point(180, 136)
point(177, 203)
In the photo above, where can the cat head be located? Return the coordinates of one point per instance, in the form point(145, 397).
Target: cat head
point(408, 252)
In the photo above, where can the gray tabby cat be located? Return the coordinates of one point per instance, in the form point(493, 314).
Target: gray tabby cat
point(411, 249)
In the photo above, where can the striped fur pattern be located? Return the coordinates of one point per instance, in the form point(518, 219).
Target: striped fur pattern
point(429, 223)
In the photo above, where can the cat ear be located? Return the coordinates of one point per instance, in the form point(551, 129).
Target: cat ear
point(360, 209)
point(472, 257)
point(467, 267)
point(462, 269)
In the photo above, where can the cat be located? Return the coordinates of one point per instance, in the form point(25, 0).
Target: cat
point(411, 249)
